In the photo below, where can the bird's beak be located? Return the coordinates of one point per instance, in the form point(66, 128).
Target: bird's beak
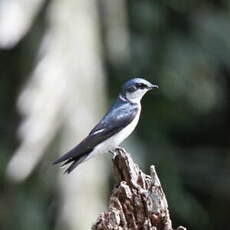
point(152, 86)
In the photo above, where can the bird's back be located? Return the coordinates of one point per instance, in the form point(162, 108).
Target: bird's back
point(108, 133)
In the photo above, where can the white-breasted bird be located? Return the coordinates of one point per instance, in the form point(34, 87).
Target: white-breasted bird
point(117, 124)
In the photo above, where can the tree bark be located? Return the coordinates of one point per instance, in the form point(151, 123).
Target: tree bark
point(137, 202)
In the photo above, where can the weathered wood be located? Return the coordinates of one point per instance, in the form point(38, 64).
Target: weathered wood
point(137, 202)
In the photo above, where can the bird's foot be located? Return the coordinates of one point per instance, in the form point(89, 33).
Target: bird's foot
point(120, 149)
point(113, 152)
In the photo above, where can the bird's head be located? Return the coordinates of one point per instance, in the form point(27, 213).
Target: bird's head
point(134, 89)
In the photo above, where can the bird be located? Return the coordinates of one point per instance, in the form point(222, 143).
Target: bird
point(114, 127)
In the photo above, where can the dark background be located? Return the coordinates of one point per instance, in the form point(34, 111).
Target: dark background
point(184, 47)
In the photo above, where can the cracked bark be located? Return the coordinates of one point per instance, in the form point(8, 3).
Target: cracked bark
point(137, 202)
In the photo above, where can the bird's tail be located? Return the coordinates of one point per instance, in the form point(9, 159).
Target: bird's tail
point(73, 162)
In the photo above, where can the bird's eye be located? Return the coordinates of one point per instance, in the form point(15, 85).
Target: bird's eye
point(141, 86)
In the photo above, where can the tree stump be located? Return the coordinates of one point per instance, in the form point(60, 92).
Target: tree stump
point(137, 202)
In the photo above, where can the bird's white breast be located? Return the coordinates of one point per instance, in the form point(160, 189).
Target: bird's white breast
point(114, 141)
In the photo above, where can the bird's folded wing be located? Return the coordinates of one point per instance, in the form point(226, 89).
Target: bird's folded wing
point(111, 123)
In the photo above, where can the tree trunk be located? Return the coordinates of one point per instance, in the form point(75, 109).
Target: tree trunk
point(137, 202)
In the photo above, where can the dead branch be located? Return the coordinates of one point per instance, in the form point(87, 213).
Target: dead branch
point(137, 202)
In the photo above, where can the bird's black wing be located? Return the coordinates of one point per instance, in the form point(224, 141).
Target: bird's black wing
point(119, 116)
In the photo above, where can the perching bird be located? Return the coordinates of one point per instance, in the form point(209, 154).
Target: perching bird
point(117, 124)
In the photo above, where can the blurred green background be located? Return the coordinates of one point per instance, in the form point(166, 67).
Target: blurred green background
point(62, 64)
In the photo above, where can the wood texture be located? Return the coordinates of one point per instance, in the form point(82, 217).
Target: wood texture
point(137, 202)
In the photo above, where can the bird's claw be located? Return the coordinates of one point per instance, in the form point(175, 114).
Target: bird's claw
point(113, 152)
point(120, 149)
